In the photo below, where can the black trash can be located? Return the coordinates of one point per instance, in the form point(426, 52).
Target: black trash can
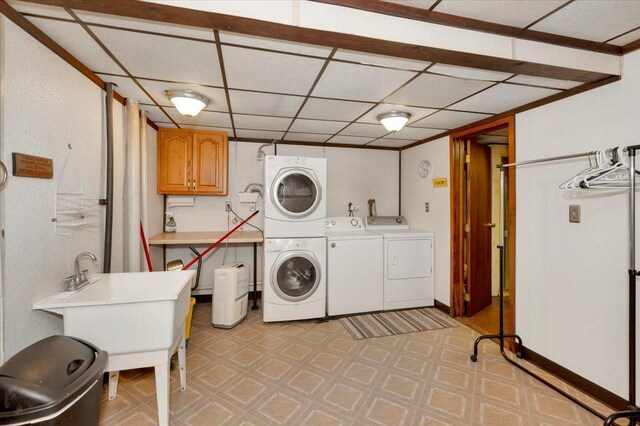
point(56, 381)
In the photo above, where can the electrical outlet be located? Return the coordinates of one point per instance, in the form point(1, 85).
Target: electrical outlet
point(574, 213)
point(227, 206)
point(426, 207)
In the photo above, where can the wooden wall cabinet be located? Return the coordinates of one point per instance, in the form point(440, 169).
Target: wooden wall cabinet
point(192, 162)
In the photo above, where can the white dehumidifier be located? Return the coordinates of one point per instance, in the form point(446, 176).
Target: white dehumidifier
point(230, 295)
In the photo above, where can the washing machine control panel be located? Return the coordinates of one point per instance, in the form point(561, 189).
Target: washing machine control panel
point(347, 223)
point(283, 244)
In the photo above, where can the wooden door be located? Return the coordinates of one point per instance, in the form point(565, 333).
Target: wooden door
point(174, 161)
point(210, 163)
point(478, 227)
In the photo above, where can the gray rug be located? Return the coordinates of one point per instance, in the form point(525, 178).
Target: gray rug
point(389, 323)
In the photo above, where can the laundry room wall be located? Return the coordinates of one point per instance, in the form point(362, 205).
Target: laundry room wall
point(417, 191)
point(45, 105)
point(571, 278)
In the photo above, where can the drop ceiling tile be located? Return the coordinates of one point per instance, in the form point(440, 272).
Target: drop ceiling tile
point(359, 82)
point(515, 13)
point(393, 143)
point(416, 113)
point(544, 82)
point(219, 129)
point(469, 73)
point(259, 134)
point(144, 25)
point(361, 129)
point(205, 118)
point(503, 97)
point(156, 90)
point(39, 9)
point(317, 126)
point(380, 60)
point(351, 140)
point(265, 103)
point(127, 88)
point(415, 133)
point(437, 91)
point(78, 42)
point(306, 137)
point(449, 119)
point(167, 125)
point(154, 113)
point(268, 71)
point(596, 20)
point(281, 45)
point(627, 38)
point(163, 58)
point(328, 109)
point(422, 4)
point(259, 122)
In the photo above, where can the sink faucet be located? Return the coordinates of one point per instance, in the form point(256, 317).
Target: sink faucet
point(79, 280)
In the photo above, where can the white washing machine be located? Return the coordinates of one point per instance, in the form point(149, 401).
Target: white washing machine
point(294, 200)
point(295, 282)
point(408, 263)
point(354, 267)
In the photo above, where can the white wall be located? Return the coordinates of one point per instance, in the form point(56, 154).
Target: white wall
point(416, 191)
point(571, 279)
point(46, 104)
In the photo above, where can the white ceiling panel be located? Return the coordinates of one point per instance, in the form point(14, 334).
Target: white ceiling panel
point(143, 25)
point(503, 97)
point(515, 13)
point(269, 72)
point(156, 90)
point(380, 60)
point(326, 109)
point(627, 38)
point(264, 103)
point(422, 4)
point(359, 82)
point(393, 143)
point(544, 82)
point(414, 133)
point(469, 73)
point(39, 9)
point(596, 20)
point(127, 88)
point(361, 129)
point(219, 129)
point(351, 140)
point(281, 45)
point(163, 58)
point(317, 126)
point(205, 118)
point(416, 113)
point(449, 119)
point(259, 134)
point(79, 43)
point(436, 91)
point(154, 113)
point(260, 122)
point(306, 137)
point(167, 125)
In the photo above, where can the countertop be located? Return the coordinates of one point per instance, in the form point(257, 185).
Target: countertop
point(183, 238)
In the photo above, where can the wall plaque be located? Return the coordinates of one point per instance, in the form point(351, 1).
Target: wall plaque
point(31, 166)
point(440, 182)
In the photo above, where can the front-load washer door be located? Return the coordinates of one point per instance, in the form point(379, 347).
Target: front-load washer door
point(296, 193)
point(295, 276)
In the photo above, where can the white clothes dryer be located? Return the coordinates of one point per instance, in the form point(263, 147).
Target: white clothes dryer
point(294, 279)
point(354, 267)
point(294, 199)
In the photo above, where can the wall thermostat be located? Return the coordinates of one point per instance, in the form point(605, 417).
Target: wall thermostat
point(424, 168)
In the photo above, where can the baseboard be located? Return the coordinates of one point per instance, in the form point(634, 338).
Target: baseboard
point(587, 386)
point(444, 308)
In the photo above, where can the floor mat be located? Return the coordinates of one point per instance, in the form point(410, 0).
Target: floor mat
point(388, 323)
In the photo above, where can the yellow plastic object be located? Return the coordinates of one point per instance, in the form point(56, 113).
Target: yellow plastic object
point(187, 325)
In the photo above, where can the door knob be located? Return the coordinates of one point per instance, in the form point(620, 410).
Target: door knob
point(490, 225)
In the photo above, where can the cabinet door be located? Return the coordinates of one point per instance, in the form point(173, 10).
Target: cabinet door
point(210, 163)
point(174, 161)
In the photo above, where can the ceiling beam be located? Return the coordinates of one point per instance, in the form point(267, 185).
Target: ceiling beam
point(203, 19)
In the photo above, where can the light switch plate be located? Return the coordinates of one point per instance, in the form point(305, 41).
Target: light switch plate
point(426, 207)
point(574, 213)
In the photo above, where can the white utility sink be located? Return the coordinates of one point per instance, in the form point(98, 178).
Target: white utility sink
point(138, 318)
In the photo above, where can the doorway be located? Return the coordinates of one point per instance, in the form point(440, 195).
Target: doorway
point(475, 218)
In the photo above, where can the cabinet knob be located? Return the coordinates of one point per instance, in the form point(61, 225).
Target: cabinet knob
point(189, 184)
point(194, 184)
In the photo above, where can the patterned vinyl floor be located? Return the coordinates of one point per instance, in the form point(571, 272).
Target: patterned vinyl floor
point(308, 373)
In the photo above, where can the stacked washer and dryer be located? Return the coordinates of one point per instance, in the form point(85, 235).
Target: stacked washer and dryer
point(295, 244)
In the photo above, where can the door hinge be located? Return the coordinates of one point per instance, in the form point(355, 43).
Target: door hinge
point(467, 158)
point(467, 227)
point(467, 297)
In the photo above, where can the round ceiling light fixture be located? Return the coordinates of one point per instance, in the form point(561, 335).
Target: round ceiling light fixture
point(187, 102)
point(394, 120)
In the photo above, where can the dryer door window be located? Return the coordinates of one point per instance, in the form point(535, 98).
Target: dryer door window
point(296, 276)
point(296, 193)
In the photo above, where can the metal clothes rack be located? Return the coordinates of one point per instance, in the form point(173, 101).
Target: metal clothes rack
point(633, 411)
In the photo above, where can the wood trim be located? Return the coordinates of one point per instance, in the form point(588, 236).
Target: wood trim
point(198, 18)
point(153, 125)
point(595, 391)
point(433, 17)
point(442, 307)
point(631, 47)
point(320, 144)
point(223, 72)
point(456, 159)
